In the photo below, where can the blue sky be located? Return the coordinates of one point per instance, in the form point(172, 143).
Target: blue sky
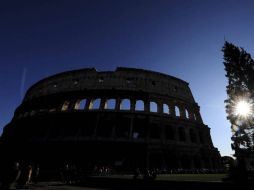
point(182, 38)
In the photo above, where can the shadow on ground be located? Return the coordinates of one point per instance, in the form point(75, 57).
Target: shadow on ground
point(125, 184)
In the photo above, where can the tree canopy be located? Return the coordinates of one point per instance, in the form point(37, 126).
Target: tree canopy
point(239, 67)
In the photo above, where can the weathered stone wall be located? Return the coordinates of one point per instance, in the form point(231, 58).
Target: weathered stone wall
point(171, 95)
point(121, 79)
point(152, 115)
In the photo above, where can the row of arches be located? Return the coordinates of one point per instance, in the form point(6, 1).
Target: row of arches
point(124, 104)
point(124, 128)
point(127, 104)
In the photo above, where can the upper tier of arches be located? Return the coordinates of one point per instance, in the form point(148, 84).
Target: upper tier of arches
point(160, 107)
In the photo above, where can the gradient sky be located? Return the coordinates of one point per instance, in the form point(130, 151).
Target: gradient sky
point(182, 38)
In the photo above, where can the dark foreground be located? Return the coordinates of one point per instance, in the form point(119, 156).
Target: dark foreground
point(101, 183)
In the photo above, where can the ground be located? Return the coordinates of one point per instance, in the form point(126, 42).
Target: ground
point(59, 186)
point(126, 182)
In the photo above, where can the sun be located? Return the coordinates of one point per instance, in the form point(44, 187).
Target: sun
point(243, 108)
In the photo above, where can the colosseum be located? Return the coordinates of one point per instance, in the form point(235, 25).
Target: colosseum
point(128, 118)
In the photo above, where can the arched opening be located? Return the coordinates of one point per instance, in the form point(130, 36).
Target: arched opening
point(80, 104)
point(110, 104)
point(193, 136)
point(139, 128)
point(187, 114)
point(169, 132)
point(165, 109)
point(194, 116)
point(95, 104)
point(177, 111)
point(201, 138)
point(76, 81)
point(100, 80)
point(125, 104)
point(181, 134)
point(139, 105)
point(65, 106)
point(153, 107)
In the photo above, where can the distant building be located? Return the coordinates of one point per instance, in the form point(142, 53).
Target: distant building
point(125, 119)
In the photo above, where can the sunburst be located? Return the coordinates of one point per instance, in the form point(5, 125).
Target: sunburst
point(243, 109)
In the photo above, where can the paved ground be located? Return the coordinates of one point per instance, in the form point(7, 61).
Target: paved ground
point(56, 186)
point(125, 182)
point(106, 184)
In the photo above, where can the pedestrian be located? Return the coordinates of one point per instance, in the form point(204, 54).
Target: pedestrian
point(26, 174)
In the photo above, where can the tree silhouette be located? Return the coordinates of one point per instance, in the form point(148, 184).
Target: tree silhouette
point(239, 67)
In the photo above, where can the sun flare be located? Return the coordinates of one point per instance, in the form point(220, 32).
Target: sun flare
point(243, 108)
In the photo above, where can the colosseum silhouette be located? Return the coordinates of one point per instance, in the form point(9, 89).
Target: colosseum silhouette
point(128, 118)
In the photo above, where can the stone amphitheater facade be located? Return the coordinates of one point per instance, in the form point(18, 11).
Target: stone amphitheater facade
point(124, 119)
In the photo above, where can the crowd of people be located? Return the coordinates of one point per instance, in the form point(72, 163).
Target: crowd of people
point(147, 174)
point(102, 170)
point(18, 175)
point(70, 174)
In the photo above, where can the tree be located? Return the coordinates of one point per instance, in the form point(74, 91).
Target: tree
point(239, 67)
